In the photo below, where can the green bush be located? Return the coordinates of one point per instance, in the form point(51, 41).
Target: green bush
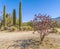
point(54, 30)
point(4, 28)
point(27, 28)
point(12, 28)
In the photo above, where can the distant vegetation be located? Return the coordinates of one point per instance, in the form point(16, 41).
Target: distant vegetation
point(11, 23)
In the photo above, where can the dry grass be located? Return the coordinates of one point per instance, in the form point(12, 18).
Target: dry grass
point(51, 42)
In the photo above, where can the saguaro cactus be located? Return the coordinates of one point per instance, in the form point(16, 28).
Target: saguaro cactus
point(14, 17)
point(20, 15)
point(4, 16)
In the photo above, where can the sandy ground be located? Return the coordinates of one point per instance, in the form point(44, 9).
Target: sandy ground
point(56, 36)
point(16, 40)
point(12, 40)
point(23, 35)
point(17, 35)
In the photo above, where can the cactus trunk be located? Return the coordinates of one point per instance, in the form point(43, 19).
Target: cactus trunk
point(4, 16)
point(14, 17)
point(20, 15)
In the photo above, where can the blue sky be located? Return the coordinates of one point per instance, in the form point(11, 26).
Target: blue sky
point(32, 7)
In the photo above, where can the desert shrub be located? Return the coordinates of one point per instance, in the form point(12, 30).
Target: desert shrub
point(41, 24)
point(27, 28)
point(2, 28)
point(12, 28)
point(24, 28)
point(0, 25)
point(54, 30)
point(6, 28)
point(30, 24)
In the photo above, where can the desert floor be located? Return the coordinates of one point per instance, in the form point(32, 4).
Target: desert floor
point(28, 40)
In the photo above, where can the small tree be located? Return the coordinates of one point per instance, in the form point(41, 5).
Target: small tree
point(42, 24)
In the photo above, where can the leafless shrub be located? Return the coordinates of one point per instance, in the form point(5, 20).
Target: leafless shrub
point(42, 24)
